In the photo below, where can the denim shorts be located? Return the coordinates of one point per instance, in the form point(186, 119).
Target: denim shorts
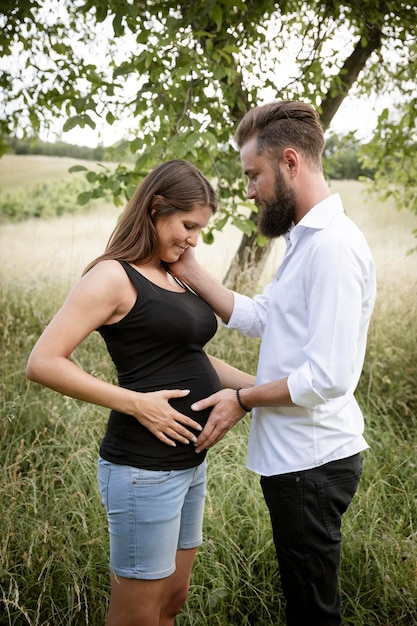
point(151, 515)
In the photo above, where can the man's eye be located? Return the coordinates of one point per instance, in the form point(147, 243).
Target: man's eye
point(189, 226)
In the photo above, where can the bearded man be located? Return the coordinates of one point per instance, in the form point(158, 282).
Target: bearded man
point(306, 435)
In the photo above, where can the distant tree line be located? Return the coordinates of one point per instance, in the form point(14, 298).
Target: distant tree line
point(342, 155)
point(34, 145)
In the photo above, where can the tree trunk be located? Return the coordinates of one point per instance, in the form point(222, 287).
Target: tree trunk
point(248, 263)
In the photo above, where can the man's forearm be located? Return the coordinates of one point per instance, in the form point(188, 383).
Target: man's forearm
point(231, 376)
point(275, 393)
point(219, 297)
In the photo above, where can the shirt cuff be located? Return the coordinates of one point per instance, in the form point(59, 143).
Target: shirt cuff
point(301, 390)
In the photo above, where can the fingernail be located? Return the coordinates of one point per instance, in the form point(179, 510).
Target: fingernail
point(185, 392)
point(194, 406)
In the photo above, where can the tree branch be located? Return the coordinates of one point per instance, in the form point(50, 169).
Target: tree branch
point(349, 74)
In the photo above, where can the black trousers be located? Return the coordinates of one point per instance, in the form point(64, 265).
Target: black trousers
point(306, 511)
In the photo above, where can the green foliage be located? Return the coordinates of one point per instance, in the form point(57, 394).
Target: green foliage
point(393, 155)
point(44, 200)
point(53, 544)
point(342, 159)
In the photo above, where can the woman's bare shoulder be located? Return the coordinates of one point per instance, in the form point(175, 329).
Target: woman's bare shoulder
point(108, 270)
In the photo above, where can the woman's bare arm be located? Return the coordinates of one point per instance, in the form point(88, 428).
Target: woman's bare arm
point(97, 299)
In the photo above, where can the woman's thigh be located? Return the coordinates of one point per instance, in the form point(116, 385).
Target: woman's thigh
point(135, 602)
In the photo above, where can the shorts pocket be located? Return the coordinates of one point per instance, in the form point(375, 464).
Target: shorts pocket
point(143, 477)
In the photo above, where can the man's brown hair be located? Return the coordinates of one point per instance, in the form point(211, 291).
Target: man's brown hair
point(284, 124)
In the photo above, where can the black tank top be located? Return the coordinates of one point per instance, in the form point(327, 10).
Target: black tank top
point(159, 345)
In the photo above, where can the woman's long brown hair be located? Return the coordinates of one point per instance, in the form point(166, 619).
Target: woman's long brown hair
point(175, 185)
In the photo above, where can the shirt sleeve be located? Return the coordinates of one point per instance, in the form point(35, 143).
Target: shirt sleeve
point(335, 283)
point(249, 315)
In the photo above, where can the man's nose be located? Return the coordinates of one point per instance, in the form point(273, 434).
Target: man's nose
point(251, 190)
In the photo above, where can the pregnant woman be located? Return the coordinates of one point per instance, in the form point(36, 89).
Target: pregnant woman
point(152, 481)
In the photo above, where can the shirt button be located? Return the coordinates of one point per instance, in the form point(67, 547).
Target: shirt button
point(297, 480)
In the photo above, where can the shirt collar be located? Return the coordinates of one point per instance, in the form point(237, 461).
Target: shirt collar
point(317, 217)
point(320, 215)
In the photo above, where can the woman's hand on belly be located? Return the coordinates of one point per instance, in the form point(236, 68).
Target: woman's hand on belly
point(154, 411)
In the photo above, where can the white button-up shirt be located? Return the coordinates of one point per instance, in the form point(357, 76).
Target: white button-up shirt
point(313, 319)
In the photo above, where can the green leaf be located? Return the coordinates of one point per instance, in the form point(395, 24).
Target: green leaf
point(221, 222)
point(261, 240)
point(110, 118)
point(84, 197)
point(217, 15)
point(207, 237)
point(72, 122)
point(246, 226)
point(118, 25)
point(91, 177)
point(77, 168)
point(101, 12)
point(86, 120)
point(123, 68)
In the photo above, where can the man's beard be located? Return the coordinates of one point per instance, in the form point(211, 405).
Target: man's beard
point(276, 216)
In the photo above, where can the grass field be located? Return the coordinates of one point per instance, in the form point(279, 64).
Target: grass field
point(53, 541)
